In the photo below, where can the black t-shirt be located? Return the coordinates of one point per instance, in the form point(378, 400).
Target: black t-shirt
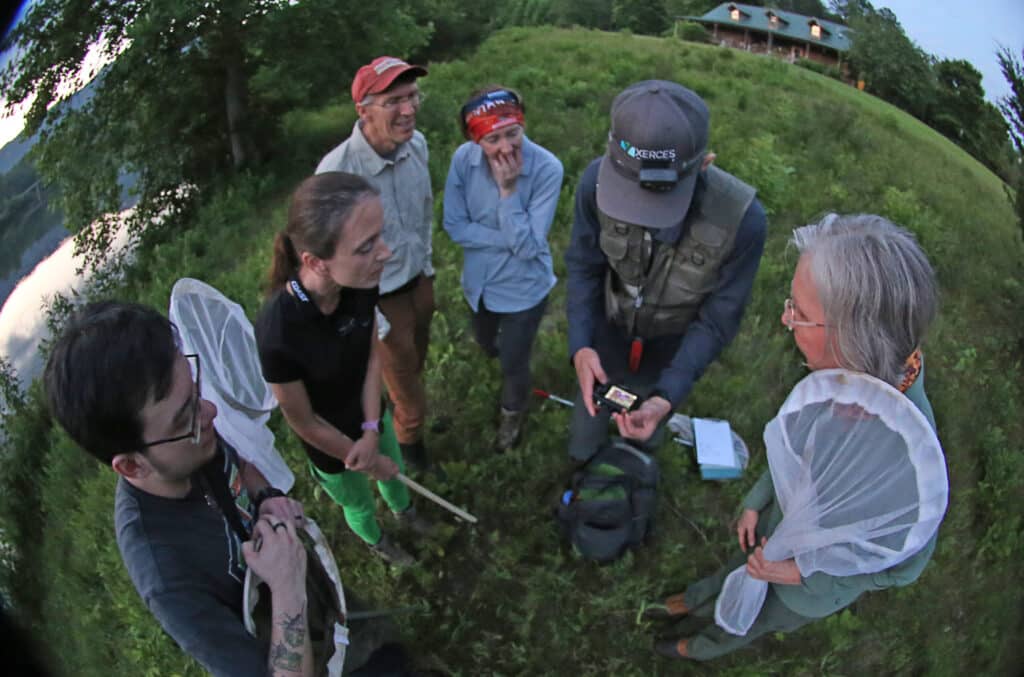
point(186, 562)
point(328, 353)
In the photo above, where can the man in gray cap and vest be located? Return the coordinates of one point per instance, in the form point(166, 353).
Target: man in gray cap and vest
point(660, 264)
point(386, 149)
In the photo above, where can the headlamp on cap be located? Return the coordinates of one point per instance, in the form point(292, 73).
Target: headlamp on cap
point(661, 176)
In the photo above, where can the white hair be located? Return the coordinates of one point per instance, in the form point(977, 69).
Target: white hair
point(876, 286)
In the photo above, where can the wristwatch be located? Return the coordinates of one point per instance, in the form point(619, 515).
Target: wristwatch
point(373, 425)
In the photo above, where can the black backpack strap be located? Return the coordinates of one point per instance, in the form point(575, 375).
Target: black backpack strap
point(215, 486)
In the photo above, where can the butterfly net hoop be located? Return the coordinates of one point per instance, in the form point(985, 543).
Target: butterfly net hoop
point(217, 328)
point(860, 478)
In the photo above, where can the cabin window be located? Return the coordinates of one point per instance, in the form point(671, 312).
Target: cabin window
point(734, 14)
point(816, 31)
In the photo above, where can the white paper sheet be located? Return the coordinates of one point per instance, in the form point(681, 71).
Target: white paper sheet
point(714, 443)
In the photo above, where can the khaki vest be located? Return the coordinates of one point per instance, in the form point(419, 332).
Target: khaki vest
point(664, 300)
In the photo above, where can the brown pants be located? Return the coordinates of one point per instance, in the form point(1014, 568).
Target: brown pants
point(403, 353)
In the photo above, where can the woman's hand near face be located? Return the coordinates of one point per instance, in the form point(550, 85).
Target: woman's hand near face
point(745, 529)
point(785, 572)
point(505, 169)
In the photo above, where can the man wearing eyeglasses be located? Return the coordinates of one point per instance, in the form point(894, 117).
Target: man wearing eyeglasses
point(119, 385)
point(660, 264)
point(386, 149)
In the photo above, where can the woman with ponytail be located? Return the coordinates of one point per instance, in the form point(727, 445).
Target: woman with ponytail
point(315, 338)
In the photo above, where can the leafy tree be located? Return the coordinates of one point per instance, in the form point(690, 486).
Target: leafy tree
point(679, 8)
point(1012, 106)
point(587, 13)
point(177, 108)
point(525, 13)
point(640, 16)
point(892, 66)
point(961, 113)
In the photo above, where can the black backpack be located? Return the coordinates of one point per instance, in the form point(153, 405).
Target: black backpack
point(608, 505)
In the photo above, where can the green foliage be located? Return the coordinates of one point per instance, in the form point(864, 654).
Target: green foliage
point(829, 71)
point(691, 31)
point(585, 13)
point(25, 214)
point(961, 113)
point(1012, 107)
point(194, 92)
point(646, 17)
point(508, 597)
point(764, 167)
point(525, 13)
point(893, 67)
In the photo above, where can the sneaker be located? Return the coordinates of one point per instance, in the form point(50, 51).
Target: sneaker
point(510, 429)
point(411, 519)
point(392, 553)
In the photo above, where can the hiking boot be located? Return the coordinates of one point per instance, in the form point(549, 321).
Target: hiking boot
point(392, 553)
point(510, 429)
point(415, 456)
point(411, 519)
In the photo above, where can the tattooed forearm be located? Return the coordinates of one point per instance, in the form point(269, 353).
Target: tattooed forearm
point(287, 654)
point(294, 630)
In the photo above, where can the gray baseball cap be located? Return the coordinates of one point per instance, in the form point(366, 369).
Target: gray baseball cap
point(656, 146)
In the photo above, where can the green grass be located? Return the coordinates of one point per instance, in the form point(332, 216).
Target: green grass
point(507, 597)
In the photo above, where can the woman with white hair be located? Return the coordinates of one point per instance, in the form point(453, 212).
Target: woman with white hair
point(856, 485)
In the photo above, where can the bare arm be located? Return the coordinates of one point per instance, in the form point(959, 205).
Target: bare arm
point(298, 411)
point(360, 455)
point(372, 382)
point(276, 554)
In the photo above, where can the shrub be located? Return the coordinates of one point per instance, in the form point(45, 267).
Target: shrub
point(691, 31)
point(811, 65)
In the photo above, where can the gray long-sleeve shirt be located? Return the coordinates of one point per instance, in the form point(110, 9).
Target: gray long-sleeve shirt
point(404, 184)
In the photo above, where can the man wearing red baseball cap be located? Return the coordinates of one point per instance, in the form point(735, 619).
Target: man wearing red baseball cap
point(386, 149)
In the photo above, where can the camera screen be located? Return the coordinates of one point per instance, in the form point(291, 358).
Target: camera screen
point(620, 397)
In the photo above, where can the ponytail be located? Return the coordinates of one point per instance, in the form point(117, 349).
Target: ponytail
point(284, 263)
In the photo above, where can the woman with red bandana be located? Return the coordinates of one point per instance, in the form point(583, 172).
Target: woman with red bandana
point(499, 202)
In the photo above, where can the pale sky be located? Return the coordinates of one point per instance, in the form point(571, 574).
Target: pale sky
point(965, 29)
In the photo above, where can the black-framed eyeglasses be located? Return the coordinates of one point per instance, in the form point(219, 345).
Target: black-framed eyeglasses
point(194, 431)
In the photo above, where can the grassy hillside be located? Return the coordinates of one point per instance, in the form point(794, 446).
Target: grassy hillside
point(507, 597)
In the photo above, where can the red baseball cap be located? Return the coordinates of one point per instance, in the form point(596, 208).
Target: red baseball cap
point(377, 76)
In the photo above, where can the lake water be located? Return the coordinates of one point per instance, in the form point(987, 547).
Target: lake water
point(23, 316)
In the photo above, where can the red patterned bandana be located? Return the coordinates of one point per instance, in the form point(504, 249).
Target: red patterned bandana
point(491, 111)
point(911, 370)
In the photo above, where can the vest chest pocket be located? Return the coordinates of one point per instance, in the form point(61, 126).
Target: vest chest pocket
point(691, 277)
point(628, 251)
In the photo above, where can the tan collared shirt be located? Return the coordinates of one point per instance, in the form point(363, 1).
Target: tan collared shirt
point(404, 184)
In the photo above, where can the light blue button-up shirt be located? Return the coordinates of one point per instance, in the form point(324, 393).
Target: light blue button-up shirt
point(506, 257)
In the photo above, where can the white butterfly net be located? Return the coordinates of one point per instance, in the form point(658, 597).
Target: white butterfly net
point(861, 480)
point(216, 328)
